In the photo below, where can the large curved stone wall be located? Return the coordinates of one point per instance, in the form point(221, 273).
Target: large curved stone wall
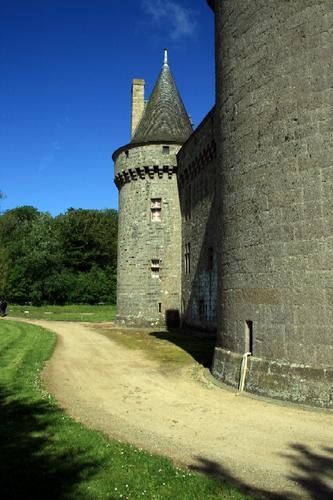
point(143, 173)
point(274, 109)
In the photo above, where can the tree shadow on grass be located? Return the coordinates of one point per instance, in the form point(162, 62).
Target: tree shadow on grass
point(312, 473)
point(216, 470)
point(32, 464)
point(200, 348)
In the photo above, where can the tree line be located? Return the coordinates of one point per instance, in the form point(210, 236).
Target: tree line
point(70, 258)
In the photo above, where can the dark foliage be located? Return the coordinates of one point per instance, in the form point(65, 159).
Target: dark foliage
point(67, 259)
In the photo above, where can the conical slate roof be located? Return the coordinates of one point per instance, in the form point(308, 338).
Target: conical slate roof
point(164, 118)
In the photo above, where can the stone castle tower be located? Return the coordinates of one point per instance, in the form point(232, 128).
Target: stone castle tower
point(274, 98)
point(243, 246)
point(149, 262)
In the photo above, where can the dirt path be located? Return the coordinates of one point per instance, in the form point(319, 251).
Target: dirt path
point(266, 446)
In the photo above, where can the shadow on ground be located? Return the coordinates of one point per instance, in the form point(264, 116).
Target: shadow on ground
point(200, 348)
point(211, 468)
point(31, 466)
point(312, 473)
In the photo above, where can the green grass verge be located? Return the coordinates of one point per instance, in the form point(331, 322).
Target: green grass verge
point(45, 454)
point(170, 348)
point(73, 312)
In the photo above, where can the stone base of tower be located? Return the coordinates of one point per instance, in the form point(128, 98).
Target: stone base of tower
point(168, 320)
point(296, 383)
point(133, 322)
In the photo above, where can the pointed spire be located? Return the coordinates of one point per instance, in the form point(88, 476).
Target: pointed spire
point(165, 56)
point(164, 118)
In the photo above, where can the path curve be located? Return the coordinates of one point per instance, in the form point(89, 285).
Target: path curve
point(264, 445)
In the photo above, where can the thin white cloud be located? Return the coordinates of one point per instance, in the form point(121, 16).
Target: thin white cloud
point(49, 157)
point(176, 18)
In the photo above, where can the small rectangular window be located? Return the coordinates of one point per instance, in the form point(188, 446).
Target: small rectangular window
point(166, 150)
point(249, 336)
point(155, 268)
point(187, 258)
point(126, 153)
point(155, 209)
point(202, 310)
point(188, 202)
point(160, 307)
point(210, 263)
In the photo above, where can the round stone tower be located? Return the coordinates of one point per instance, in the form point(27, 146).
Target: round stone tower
point(274, 109)
point(149, 238)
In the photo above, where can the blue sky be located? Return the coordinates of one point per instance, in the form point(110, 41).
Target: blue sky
point(66, 68)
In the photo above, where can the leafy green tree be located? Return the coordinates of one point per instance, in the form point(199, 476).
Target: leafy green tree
point(70, 258)
point(29, 239)
point(4, 269)
point(14, 229)
point(88, 237)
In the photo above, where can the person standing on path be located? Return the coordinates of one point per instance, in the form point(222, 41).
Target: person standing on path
point(3, 307)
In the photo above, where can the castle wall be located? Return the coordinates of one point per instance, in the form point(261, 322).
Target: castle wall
point(275, 179)
point(148, 293)
point(197, 182)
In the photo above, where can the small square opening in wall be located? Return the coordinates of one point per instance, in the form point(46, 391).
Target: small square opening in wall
point(249, 336)
point(166, 150)
point(155, 209)
point(155, 268)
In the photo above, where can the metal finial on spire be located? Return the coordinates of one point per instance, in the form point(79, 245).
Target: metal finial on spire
point(165, 56)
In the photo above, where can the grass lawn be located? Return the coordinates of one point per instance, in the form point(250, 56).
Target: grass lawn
point(45, 454)
point(172, 349)
point(157, 343)
point(73, 312)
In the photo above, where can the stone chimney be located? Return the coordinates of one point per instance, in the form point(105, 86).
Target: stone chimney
point(138, 103)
